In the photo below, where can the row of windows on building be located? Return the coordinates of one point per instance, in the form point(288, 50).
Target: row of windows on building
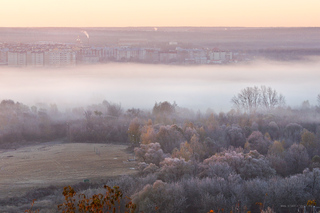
point(197, 56)
point(31, 58)
point(69, 57)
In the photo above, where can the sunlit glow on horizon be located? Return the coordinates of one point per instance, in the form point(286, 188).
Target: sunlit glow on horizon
point(127, 13)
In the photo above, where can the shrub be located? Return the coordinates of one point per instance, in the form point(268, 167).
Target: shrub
point(110, 202)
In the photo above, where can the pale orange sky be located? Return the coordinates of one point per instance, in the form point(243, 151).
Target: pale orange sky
point(125, 13)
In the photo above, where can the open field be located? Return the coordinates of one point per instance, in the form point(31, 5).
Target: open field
point(60, 164)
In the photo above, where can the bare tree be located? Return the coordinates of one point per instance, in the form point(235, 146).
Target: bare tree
point(318, 99)
point(252, 98)
point(248, 99)
point(270, 98)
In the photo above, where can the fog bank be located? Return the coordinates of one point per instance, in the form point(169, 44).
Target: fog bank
point(140, 85)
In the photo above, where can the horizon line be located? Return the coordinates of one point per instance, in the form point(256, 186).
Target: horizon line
point(170, 27)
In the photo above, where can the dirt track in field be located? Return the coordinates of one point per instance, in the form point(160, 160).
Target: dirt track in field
point(60, 164)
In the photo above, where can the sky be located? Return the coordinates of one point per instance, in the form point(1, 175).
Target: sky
point(138, 13)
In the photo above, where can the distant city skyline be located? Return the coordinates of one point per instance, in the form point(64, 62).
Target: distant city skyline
point(128, 13)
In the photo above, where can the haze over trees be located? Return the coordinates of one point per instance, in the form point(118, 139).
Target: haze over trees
point(187, 161)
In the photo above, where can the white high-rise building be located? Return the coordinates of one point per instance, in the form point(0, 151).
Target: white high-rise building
point(218, 56)
point(60, 57)
point(4, 56)
point(17, 58)
point(35, 59)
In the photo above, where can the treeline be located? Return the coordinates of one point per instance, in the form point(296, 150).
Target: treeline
point(192, 161)
point(21, 124)
point(109, 122)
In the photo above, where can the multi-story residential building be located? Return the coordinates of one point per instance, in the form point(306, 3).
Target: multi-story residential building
point(194, 56)
point(90, 59)
point(96, 54)
point(152, 55)
point(57, 54)
point(108, 53)
point(127, 54)
point(218, 56)
point(4, 56)
point(47, 54)
point(168, 56)
point(142, 54)
point(60, 57)
point(229, 56)
point(35, 59)
point(17, 58)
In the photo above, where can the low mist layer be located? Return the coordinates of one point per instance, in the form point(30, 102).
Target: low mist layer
point(136, 85)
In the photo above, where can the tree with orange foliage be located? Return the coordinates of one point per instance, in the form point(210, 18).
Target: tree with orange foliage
point(134, 132)
point(98, 203)
point(30, 210)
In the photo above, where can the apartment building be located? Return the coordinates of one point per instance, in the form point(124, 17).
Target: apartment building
point(35, 59)
point(17, 58)
point(4, 56)
point(60, 57)
point(218, 56)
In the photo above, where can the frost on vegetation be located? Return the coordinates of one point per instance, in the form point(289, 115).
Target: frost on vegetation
point(150, 153)
point(248, 166)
